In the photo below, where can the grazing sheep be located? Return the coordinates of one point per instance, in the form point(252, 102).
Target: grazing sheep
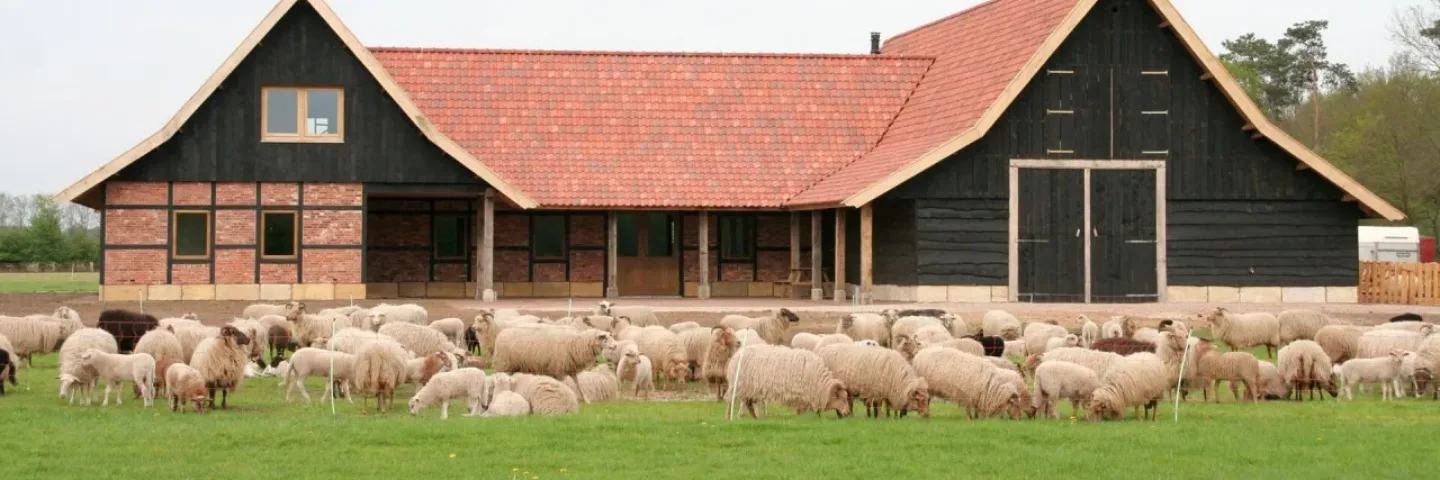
point(466, 383)
point(1013, 348)
point(1235, 367)
point(1123, 345)
point(1414, 368)
point(771, 329)
point(350, 340)
point(315, 362)
point(179, 323)
point(1096, 360)
point(684, 326)
point(502, 400)
point(639, 316)
point(1037, 335)
point(973, 382)
point(379, 368)
point(868, 326)
point(31, 335)
point(1057, 379)
point(262, 309)
point(644, 374)
point(116, 368)
point(1304, 366)
point(184, 383)
point(805, 341)
point(598, 384)
point(487, 326)
point(1000, 323)
point(556, 352)
point(279, 340)
point(7, 368)
point(126, 326)
point(1135, 380)
point(1071, 340)
point(1089, 332)
point(1379, 343)
point(422, 340)
point(1272, 384)
point(452, 328)
point(1115, 327)
point(1416, 327)
point(931, 334)
point(545, 394)
point(221, 361)
point(664, 347)
point(1340, 342)
point(76, 377)
point(1384, 371)
point(964, 344)
point(878, 376)
point(694, 341)
point(1300, 324)
point(712, 367)
point(419, 370)
point(406, 313)
point(1245, 331)
point(797, 378)
point(751, 337)
point(832, 339)
point(162, 345)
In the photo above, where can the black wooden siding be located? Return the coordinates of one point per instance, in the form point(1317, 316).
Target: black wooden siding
point(221, 142)
point(1300, 243)
point(1210, 159)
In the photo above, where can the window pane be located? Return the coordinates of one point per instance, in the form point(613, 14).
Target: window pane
point(279, 234)
point(549, 236)
point(450, 237)
point(192, 234)
point(659, 236)
point(735, 237)
point(627, 235)
point(280, 111)
point(322, 112)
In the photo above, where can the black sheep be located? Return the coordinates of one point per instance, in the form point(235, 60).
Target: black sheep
point(127, 326)
point(280, 344)
point(994, 346)
point(7, 371)
point(1407, 317)
point(921, 312)
point(472, 342)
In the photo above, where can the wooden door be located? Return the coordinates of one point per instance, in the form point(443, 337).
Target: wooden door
point(1049, 239)
point(1122, 247)
point(648, 252)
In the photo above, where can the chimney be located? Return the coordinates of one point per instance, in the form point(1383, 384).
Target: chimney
point(874, 43)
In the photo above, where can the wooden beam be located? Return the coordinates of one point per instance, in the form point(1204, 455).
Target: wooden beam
point(817, 274)
point(1257, 136)
point(840, 255)
point(1248, 127)
point(1347, 198)
point(1165, 24)
point(867, 241)
point(1302, 166)
point(794, 252)
point(1207, 76)
point(486, 285)
point(703, 291)
point(612, 226)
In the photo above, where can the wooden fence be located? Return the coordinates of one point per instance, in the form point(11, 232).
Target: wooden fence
point(1400, 283)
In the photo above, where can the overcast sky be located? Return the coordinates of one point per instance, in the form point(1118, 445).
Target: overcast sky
point(81, 81)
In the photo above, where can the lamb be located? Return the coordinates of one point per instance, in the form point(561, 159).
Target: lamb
point(878, 376)
point(1244, 331)
point(421, 369)
point(1123, 345)
point(712, 367)
point(639, 316)
point(970, 381)
point(1241, 367)
point(279, 340)
point(116, 368)
point(771, 329)
point(502, 400)
point(1300, 324)
point(1113, 328)
point(487, 326)
point(1304, 365)
point(598, 384)
point(1062, 342)
point(964, 344)
point(351, 340)
point(545, 394)
point(797, 378)
point(76, 377)
point(1089, 332)
point(1098, 361)
point(863, 326)
point(1272, 384)
point(1384, 370)
point(549, 351)
point(184, 383)
point(1000, 323)
point(422, 340)
point(1340, 342)
point(644, 374)
point(162, 345)
point(1058, 379)
point(832, 339)
point(1037, 335)
point(804, 341)
point(30, 335)
point(221, 361)
point(1135, 380)
point(262, 309)
point(315, 362)
point(931, 334)
point(1380, 342)
point(664, 347)
point(466, 383)
point(684, 326)
point(126, 326)
point(379, 368)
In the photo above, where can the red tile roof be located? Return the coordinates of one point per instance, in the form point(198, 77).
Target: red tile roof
point(978, 53)
point(671, 130)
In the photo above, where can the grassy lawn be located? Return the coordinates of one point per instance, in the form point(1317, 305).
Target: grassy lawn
point(262, 437)
point(63, 282)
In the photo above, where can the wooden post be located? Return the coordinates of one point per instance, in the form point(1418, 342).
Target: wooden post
point(486, 285)
point(840, 255)
point(794, 253)
point(703, 291)
point(817, 275)
point(612, 227)
point(867, 241)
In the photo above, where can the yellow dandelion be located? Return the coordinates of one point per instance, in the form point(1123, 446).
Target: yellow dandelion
point(563, 470)
point(452, 456)
point(514, 469)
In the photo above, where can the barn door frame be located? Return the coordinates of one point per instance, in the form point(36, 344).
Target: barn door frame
point(1158, 166)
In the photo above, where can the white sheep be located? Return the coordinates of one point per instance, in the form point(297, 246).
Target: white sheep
point(31, 335)
point(1014, 348)
point(1113, 328)
point(162, 345)
point(1244, 331)
point(1238, 368)
point(1272, 384)
point(694, 342)
point(1000, 323)
point(488, 325)
point(379, 369)
point(805, 341)
point(830, 339)
point(257, 333)
point(1416, 327)
point(315, 362)
point(261, 309)
point(1340, 341)
point(549, 351)
point(502, 400)
point(545, 394)
point(1089, 332)
point(115, 368)
point(351, 340)
point(798, 378)
point(771, 328)
point(406, 313)
point(1095, 360)
point(190, 337)
point(453, 328)
point(644, 374)
point(466, 383)
point(973, 382)
point(1038, 334)
point(1303, 365)
point(1384, 371)
point(1070, 340)
point(639, 316)
point(684, 326)
point(598, 384)
point(871, 326)
point(965, 344)
point(423, 340)
point(878, 376)
point(75, 377)
point(1138, 379)
point(1380, 342)
point(184, 383)
point(1300, 324)
point(751, 337)
point(932, 334)
point(1058, 379)
point(221, 361)
point(723, 344)
point(180, 323)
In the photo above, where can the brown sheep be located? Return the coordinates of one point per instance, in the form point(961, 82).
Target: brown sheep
point(1241, 367)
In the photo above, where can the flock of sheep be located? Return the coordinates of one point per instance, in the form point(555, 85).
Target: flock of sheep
point(894, 362)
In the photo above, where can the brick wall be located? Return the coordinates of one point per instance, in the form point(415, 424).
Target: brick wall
point(190, 273)
point(135, 193)
point(279, 193)
point(331, 265)
point(235, 266)
point(334, 194)
point(396, 266)
point(278, 273)
point(137, 267)
point(450, 272)
point(235, 193)
point(587, 265)
point(331, 227)
point(736, 272)
point(235, 227)
point(512, 266)
point(191, 193)
point(135, 227)
point(549, 272)
point(587, 230)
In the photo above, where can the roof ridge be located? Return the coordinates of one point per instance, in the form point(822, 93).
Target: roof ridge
point(878, 139)
point(646, 53)
point(946, 18)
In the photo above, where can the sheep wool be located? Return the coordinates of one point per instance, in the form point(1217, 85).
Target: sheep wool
point(549, 351)
point(221, 361)
point(797, 378)
point(1245, 331)
point(352, 340)
point(502, 400)
point(1300, 324)
point(545, 394)
point(694, 342)
point(184, 383)
point(1000, 323)
point(1239, 368)
point(1099, 362)
point(406, 313)
point(30, 335)
point(162, 345)
point(932, 334)
point(76, 377)
point(1379, 343)
point(1303, 365)
point(1037, 335)
point(717, 354)
point(771, 328)
point(423, 340)
point(488, 325)
point(452, 328)
point(315, 362)
point(1089, 332)
point(190, 337)
point(379, 368)
point(1272, 385)
point(973, 382)
point(1137, 380)
point(1383, 370)
point(262, 309)
point(115, 368)
point(804, 341)
point(1062, 342)
point(1340, 342)
point(837, 338)
point(966, 344)
point(464, 383)
point(867, 326)
point(684, 326)
point(639, 316)
point(878, 376)
point(643, 376)
point(1059, 379)
point(598, 384)
point(1113, 328)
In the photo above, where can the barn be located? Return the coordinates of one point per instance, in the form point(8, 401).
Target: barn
point(1020, 150)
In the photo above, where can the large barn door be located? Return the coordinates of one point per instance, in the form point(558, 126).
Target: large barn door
point(1050, 241)
point(1122, 247)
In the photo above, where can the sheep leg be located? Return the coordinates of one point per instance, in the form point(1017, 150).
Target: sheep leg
point(106, 402)
point(750, 406)
point(444, 409)
point(224, 398)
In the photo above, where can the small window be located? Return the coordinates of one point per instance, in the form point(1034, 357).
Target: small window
point(549, 236)
point(190, 235)
point(660, 238)
point(302, 114)
point(737, 237)
point(627, 233)
point(450, 237)
point(280, 238)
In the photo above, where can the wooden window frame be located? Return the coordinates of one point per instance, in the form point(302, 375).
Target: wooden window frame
point(175, 235)
point(750, 223)
point(564, 243)
point(464, 237)
point(301, 107)
point(295, 240)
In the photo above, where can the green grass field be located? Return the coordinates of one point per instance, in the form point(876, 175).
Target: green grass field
point(262, 437)
point(62, 282)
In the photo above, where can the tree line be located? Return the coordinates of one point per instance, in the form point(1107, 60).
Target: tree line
point(33, 228)
point(1378, 125)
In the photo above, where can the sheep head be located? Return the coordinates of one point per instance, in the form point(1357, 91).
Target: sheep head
point(1031, 362)
point(917, 397)
point(891, 315)
point(725, 336)
point(1072, 340)
point(235, 335)
point(677, 368)
point(1128, 327)
point(1103, 405)
point(906, 346)
point(191, 316)
point(1217, 317)
point(788, 315)
point(415, 405)
point(838, 399)
point(1010, 333)
point(948, 320)
point(600, 339)
point(67, 382)
point(847, 321)
point(604, 308)
point(200, 399)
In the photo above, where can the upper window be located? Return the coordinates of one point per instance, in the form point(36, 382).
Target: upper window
point(280, 238)
point(549, 233)
point(290, 114)
point(737, 237)
point(190, 235)
point(450, 238)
